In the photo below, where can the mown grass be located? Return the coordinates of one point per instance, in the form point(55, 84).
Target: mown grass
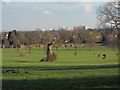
point(84, 71)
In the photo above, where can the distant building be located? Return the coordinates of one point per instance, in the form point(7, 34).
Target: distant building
point(80, 27)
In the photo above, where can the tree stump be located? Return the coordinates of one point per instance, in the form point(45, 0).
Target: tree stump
point(50, 56)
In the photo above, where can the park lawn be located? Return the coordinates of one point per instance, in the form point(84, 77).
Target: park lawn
point(84, 71)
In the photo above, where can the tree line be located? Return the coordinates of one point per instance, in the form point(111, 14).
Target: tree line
point(78, 35)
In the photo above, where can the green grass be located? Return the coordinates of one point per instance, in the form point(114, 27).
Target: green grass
point(84, 71)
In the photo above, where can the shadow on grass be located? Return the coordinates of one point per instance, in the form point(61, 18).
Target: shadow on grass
point(88, 83)
point(25, 61)
point(66, 67)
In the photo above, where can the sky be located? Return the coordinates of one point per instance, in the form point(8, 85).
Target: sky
point(29, 15)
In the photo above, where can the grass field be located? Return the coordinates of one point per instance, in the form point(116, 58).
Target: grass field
point(84, 71)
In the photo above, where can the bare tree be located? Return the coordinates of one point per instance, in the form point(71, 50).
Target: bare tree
point(109, 14)
point(29, 40)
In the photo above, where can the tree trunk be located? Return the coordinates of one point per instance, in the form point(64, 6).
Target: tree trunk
point(49, 50)
point(29, 48)
point(50, 56)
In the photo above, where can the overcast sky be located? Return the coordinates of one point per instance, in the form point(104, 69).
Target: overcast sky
point(47, 15)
